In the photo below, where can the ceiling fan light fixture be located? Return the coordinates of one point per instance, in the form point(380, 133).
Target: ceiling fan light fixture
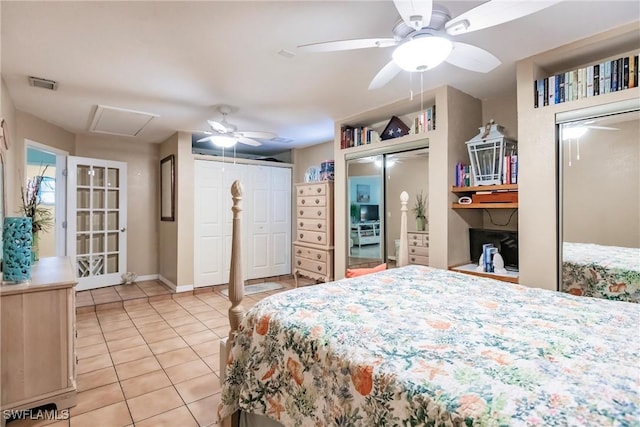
point(223, 141)
point(422, 53)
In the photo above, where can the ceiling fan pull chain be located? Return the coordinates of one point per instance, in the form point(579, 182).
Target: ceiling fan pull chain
point(422, 93)
point(410, 86)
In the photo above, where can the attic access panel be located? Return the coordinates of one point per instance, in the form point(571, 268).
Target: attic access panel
point(119, 121)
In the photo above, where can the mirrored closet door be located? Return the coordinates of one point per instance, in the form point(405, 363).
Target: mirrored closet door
point(599, 188)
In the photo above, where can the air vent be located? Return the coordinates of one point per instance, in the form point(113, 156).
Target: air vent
point(119, 121)
point(42, 83)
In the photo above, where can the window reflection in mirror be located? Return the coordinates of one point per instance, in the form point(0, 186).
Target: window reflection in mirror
point(600, 206)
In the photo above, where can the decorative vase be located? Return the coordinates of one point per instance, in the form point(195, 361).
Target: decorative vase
point(35, 247)
point(420, 223)
point(16, 249)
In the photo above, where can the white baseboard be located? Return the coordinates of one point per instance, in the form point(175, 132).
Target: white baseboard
point(176, 288)
point(147, 277)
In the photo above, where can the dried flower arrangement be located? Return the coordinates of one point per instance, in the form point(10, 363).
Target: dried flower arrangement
point(41, 217)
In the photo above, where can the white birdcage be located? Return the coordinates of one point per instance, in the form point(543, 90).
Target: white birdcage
point(487, 151)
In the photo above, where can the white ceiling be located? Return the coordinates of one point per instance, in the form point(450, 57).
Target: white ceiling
point(179, 59)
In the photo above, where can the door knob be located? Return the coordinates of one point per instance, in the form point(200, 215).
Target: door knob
point(123, 229)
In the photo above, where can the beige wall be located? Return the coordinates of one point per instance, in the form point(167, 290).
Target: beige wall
point(314, 155)
point(11, 185)
point(537, 236)
point(142, 194)
point(601, 190)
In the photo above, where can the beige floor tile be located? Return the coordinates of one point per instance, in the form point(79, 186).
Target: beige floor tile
point(165, 346)
point(139, 321)
point(97, 398)
point(212, 314)
point(85, 316)
point(222, 331)
point(125, 343)
point(146, 312)
point(190, 328)
point(116, 415)
point(207, 348)
point(183, 320)
point(90, 340)
point(88, 323)
point(174, 314)
point(113, 326)
point(137, 367)
point(213, 362)
point(129, 354)
point(205, 410)
point(157, 326)
point(112, 316)
point(91, 364)
point(200, 337)
point(217, 322)
point(198, 387)
point(175, 417)
point(176, 357)
point(85, 332)
point(202, 308)
point(120, 334)
point(91, 350)
point(159, 335)
point(187, 371)
point(96, 378)
point(154, 403)
point(144, 384)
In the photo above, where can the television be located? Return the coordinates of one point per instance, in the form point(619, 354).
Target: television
point(369, 213)
point(505, 240)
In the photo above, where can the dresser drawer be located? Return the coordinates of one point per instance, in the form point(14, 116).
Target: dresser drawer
point(418, 259)
point(312, 201)
point(312, 212)
point(316, 237)
point(418, 250)
point(310, 253)
point(315, 267)
point(312, 224)
point(312, 190)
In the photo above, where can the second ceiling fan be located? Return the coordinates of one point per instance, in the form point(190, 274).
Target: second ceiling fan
point(423, 36)
point(225, 134)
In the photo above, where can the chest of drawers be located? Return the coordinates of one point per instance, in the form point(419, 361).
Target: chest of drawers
point(418, 247)
point(313, 247)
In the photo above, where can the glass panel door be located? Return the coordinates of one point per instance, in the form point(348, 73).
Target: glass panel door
point(97, 221)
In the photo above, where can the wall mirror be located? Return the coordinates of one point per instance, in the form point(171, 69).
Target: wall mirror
point(599, 206)
point(374, 184)
point(167, 189)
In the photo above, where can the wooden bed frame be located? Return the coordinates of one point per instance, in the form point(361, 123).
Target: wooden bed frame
point(236, 278)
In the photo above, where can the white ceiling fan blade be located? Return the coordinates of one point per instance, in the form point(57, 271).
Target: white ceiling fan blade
point(217, 126)
point(415, 13)
point(385, 75)
point(260, 135)
point(347, 45)
point(495, 12)
point(472, 58)
point(249, 141)
point(208, 138)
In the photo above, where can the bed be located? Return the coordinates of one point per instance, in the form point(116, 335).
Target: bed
point(421, 346)
point(609, 272)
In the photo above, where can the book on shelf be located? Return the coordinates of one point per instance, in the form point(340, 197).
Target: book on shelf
point(510, 169)
point(351, 136)
point(585, 82)
point(462, 175)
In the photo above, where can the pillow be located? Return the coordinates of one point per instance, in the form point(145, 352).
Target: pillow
point(356, 272)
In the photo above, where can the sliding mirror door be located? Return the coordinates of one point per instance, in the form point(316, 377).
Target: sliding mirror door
point(365, 195)
point(599, 204)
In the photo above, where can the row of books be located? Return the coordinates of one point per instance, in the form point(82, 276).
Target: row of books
point(606, 77)
point(463, 175)
point(426, 120)
point(355, 136)
point(509, 173)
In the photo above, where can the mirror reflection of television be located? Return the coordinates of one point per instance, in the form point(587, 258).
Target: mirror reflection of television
point(369, 213)
point(505, 240)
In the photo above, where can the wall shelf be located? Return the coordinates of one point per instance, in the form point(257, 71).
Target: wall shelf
point(474, 189)
point(485, 206)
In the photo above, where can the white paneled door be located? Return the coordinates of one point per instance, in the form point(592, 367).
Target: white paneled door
point(266, 221)
point(97, 220)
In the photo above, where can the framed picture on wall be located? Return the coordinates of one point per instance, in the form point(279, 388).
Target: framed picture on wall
point(167, 189)
point(363, 193)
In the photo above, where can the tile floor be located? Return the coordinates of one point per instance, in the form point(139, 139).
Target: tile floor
point(149, 362)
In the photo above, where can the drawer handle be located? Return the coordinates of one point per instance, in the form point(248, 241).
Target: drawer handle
point(415, 243)
point(299, 262)
point(303, 201)
point(319, 238)
point(317, 201)
point(298, 251)
point(319, 226)
point(319, 213)
point(301, 223)
point(301, 235)
point(318, 189)
point(301, 191)
point(301, 212)
point(413, 259)
point(318, 256)
point(413, 251)
point(319, 268)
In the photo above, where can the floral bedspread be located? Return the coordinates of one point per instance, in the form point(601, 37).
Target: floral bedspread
point(609, 272)
point(421, 346)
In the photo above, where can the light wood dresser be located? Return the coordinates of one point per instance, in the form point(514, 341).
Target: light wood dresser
point(313, 247)
point(418, 247)
point(37, 338)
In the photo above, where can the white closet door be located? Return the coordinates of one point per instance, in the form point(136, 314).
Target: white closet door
point(280, 224)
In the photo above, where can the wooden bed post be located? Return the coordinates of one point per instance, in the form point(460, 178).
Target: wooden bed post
point(236, 281)
point(403, 252)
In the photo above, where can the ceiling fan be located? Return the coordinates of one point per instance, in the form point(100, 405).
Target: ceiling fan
point(224, 134)
point(423, 36)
